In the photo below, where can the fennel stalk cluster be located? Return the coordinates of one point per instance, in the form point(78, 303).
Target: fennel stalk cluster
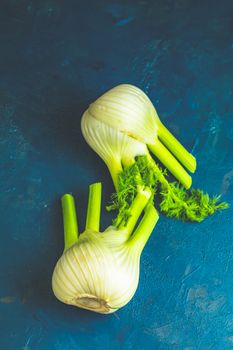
point(99, 271)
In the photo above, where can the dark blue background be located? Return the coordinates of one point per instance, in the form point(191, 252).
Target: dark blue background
point(55, 58)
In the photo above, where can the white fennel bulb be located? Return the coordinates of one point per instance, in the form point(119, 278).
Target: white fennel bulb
point(99, 271)
point(114, 147)
point(126, 110)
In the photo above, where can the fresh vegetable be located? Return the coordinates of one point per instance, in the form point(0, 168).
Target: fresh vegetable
point(123, 127)
point(127, 123)
point(99, 271)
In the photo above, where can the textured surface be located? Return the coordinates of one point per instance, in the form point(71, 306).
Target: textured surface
point(56, 57)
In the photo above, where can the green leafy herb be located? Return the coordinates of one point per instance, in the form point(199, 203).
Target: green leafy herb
point(173, 199)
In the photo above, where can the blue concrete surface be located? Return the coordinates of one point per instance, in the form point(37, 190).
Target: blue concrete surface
point(55, 58)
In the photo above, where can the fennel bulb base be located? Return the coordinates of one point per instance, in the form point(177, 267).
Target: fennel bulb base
point(93, 303)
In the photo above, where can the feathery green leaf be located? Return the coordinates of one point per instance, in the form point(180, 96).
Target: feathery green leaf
point(174, 200)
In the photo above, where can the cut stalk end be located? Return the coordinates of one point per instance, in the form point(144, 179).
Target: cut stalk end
point(145, 228)
point(136, 208)
point(184, 157)
point(70, 220)
point(94, 207)
point(170, 162)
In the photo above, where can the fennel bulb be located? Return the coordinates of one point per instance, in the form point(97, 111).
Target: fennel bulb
point(122, 127)
point(99, 271)
point(128, 111)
